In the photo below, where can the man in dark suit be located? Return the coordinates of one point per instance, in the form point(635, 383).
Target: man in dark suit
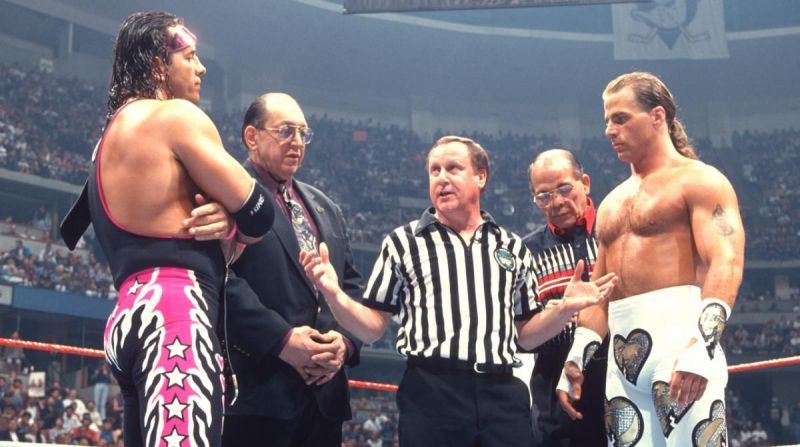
point(285, 347)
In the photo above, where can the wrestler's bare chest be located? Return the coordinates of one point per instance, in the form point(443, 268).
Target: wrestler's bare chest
point(642, 209)
point(645, 235)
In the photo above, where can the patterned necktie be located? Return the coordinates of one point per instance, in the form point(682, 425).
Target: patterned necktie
point(302, 228)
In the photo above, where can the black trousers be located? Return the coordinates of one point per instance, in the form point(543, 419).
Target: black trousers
point(309, 429)
point(552, 426)
point(462, 409)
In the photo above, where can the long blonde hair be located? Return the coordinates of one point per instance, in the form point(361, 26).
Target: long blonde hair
point(650, 92)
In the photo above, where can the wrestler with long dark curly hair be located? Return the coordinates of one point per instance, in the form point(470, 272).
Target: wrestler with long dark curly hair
point(159, 155)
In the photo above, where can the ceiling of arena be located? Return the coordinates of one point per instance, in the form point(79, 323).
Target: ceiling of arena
point(530, 54)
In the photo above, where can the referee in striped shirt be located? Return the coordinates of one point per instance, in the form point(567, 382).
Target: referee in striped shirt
point(463, 287)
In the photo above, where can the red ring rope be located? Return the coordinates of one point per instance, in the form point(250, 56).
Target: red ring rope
point(774, 363)
point(51, 347)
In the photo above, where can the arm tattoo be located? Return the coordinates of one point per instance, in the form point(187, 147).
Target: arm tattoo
point(721, 219)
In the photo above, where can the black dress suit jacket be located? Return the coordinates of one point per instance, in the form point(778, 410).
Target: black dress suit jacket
point(268, 293)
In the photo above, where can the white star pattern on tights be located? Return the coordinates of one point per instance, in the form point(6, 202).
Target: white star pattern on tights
point(135, 287)
point(174, 439)
point(175, 377)
point(175, 408)
point(176, 349)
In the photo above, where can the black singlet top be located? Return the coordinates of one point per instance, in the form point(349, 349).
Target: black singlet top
point(128, 252)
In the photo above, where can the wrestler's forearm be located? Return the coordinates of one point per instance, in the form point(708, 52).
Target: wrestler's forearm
point(723, 279)
point(367, 324)
point(720, 287)
point(595, 318)
point(718, 296)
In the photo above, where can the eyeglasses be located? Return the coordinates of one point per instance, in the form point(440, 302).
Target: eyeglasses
point(544, 199)
point(286, 132)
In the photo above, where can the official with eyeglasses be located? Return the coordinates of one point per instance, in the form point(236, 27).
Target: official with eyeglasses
point(560, 190)
point(286, 348)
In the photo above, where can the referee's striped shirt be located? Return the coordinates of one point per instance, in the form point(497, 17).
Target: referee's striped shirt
point(456, 299)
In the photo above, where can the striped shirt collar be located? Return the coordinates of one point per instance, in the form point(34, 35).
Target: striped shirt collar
point(428, 218)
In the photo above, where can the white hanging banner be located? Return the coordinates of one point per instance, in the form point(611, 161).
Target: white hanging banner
point(670, 29)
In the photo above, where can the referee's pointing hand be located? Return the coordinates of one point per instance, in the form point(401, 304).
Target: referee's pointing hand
point(320, 271)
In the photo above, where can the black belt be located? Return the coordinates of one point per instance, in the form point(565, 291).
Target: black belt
point(451, 365)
